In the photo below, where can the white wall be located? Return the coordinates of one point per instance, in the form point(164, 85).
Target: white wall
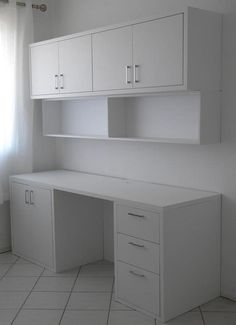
point(210, 167)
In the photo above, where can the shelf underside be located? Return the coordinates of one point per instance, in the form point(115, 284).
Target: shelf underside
point(138, 139)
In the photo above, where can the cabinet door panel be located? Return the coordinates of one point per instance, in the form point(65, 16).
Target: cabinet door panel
point(158, 52)
point(44, 69)
point(75, 62)
point(42, 229)
point(21, 215)
point(112, 53)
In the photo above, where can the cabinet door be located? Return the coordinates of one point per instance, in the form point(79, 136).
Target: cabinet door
point(112, 59)
point(42, 229)
point(21, 220)
point(75, 62)
point(44, 69)
point(158, 52)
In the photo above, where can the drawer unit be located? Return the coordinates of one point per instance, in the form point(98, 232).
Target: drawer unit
point(138, 252)
point(138, 287)
point(138, 223)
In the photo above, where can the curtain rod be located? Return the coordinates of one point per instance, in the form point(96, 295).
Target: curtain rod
point(41, 7)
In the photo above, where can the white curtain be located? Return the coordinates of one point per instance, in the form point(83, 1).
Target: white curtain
point(16, 108)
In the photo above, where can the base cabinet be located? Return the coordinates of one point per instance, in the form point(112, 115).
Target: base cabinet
point(164, 273)
point(32, 231)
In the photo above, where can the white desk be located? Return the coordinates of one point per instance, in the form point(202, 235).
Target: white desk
point(167, 239)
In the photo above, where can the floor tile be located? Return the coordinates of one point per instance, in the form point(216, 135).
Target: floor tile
point(89, 301)
point(12, 300)
point(129, 318)
point(54, 284)
point(4, 268)
point(118, 306)
point(25, 270)
point(7, 258)
point(218, 318)
point(94, 284)
point(17, 284)
point(192, 318)
point(7, 316)
point(72, 317)
point(69, 273)
point(92, 270)
point(220, 304)
point(38, 317)
point(46, 300)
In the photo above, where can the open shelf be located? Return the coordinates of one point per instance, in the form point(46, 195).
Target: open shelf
point(189, 118)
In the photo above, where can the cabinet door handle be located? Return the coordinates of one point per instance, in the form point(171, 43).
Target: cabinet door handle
point(27, 197)
point(56, 81)
point(127, 71)
point(31, 197)
point(136, 79)
point(137, 245)
point(62, 81)
point(136, 215)
point(137, 274)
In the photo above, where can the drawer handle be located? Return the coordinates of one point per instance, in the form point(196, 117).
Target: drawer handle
point(137, 245)
point(27, 197)
point(137, 274)
point(136, 215)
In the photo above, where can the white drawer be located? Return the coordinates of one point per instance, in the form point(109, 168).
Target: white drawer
point(138, 252)
point(138, 287)
point(138, 223)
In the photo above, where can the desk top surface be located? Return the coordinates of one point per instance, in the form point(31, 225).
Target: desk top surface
point(114, 189)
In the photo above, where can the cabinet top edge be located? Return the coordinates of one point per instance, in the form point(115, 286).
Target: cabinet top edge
point(167, 13)
point(115, 188)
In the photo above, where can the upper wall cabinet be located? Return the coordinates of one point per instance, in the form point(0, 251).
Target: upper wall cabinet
point(112, 59)
point(174, 52)
point(44, 70)
point(158, 53)
point(61, 67)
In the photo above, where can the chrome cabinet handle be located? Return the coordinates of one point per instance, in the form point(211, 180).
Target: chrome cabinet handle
point(27, 197)
point(56, 81)
point(137, 245)
point(137, 274)
point(136, 215)
point(128, 79)
point(31, 197)
point(62, 81)
point(136, 80)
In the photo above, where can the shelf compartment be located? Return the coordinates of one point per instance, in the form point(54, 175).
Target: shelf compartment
point(188, 118)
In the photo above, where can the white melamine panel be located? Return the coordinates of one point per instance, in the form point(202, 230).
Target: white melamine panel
point(42, 226)
point(204, 41)
point(113, 189)
point(137, 222)
point(84, 117)
point(78, 230)
point(138, 287)
point(75, 65)
point(138, 252)
point(190, 272)
point(44, 69)
point(112, 53)
point(21, 220)
point(164, 117)
point(158, 52)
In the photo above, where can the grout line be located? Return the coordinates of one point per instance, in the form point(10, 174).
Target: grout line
point(109, 311)
point(71, 291)
point(10, 267)
point(203, 320)
point(27, 297)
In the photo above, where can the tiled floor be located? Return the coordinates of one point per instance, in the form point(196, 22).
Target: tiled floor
point(31, 295)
